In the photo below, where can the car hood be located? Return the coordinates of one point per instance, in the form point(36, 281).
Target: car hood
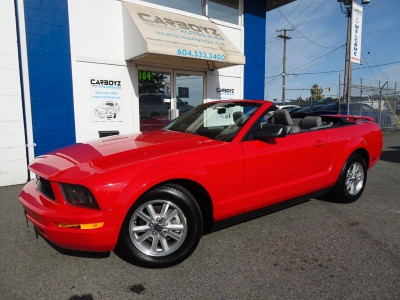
point(81, 160)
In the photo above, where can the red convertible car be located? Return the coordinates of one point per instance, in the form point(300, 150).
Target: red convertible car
point(152, 195)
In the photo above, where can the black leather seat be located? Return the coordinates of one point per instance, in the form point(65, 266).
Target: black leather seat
point(236, 116)
point(282, 117)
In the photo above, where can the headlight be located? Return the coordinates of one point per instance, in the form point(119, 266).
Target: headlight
point(79, 196)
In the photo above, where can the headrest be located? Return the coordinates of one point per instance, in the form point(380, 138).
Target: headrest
point(282, 117)
point(236, 115)
point(310, 122)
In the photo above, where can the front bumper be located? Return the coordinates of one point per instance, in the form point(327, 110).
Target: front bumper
point(45, 213)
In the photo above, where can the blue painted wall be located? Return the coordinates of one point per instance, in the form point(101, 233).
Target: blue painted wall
point(254, 49)
point(50, 75)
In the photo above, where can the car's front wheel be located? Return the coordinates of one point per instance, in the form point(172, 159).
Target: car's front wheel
point(352, 180)
point(163, 228)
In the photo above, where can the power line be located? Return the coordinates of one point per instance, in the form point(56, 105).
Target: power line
point(337, 71)
point(299, 23)
point(316, 59)
point(372, 5)
point(280, 25)
point(337, 34)
point(303, 11)
point(369, 67)
point(275, 77)
point(365, 46)
point(301, 32)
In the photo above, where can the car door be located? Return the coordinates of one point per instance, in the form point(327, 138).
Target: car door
point(286, 167)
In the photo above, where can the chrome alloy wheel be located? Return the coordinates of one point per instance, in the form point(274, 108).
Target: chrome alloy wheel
point(355, 178)
point(158, 228)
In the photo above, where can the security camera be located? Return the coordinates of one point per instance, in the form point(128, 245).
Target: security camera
point(365, 1)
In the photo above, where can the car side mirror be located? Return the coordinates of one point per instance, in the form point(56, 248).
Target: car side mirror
point(270, 131)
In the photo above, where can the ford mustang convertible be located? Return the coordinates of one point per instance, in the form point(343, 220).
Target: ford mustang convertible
point(153, 195)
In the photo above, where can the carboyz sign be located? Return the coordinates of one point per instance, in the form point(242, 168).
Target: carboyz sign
point(178, 24)
point(177, 35)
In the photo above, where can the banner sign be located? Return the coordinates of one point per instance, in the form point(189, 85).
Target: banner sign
point(356, 33)
point(172, 34)
point(106, 99)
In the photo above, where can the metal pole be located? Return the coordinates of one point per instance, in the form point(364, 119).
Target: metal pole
point(284, 70)
point(380, 104)
point(340, 83)
point(284, 37)
point(348, 65)
point(380, 100)
point(361, 86)
point(349, 88)
point(395, 101)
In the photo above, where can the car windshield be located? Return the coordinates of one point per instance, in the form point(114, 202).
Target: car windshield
point(219, 121)
point(109, 104)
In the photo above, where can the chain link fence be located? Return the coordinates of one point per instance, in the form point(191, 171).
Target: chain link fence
point(380, 100)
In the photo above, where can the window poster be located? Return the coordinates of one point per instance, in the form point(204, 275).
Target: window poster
point(106, 100)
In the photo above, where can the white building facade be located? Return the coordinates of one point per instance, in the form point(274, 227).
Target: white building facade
point(73, 70)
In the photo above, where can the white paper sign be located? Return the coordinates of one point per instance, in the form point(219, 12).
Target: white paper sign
point(106, 100)
point(213, 118)
point(356, 33)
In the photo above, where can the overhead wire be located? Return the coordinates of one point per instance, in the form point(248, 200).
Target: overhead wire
point(316, 59)
point(311, 41)
point(300, 22)
point(337, 71)
point(289, 14)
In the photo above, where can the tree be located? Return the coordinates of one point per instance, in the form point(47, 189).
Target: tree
point(316, 92)
point(151, 82)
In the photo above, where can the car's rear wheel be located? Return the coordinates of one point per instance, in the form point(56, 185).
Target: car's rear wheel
point(352, 179)
point(163, 228)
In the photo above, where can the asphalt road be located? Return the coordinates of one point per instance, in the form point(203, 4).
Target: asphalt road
point(317, 249)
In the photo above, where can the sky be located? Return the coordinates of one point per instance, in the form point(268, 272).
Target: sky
point(320, 28)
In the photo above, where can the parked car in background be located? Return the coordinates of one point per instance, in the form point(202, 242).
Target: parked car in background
point(307, 110)
point(289, 107)
point(153, 195)
point(359, 109)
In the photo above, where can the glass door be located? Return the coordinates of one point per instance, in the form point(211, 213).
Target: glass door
point(154, 99)
point(164, 94)
point(189, 90)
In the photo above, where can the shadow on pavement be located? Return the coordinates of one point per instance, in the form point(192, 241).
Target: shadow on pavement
point(391, 155)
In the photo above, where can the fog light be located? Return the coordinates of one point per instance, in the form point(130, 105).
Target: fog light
point(81, 226)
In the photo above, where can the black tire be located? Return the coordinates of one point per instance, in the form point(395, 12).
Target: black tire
point(183, 200)
point(339, 192)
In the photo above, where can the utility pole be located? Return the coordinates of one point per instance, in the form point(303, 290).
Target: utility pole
point(340, 92)
point(348, 65)
point(285, 37)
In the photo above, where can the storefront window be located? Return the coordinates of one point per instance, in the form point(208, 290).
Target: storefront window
point(224, 10)
point(189, 92)
point(154, 99)
point(192, 6)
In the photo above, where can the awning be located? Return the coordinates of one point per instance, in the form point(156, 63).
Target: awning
point(274, 4)
point(156, 36)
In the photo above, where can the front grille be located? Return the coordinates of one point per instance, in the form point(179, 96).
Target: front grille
point(44, 187)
